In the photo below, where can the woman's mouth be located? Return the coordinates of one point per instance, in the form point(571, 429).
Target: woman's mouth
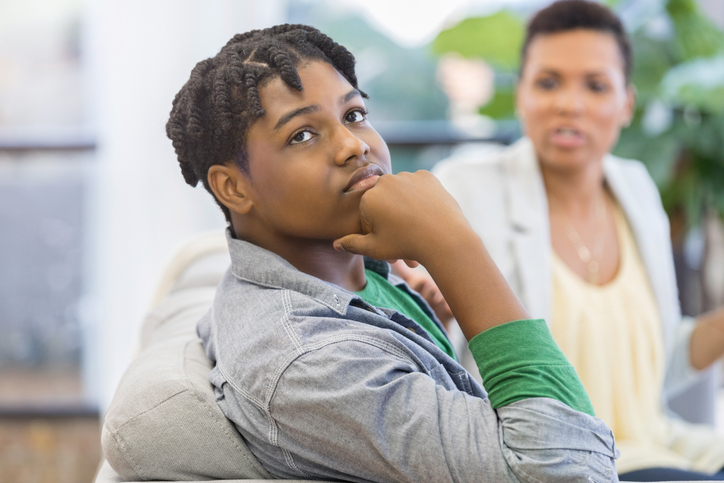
point(567, 137)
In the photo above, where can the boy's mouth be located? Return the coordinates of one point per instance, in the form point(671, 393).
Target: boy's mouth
point(364, 178)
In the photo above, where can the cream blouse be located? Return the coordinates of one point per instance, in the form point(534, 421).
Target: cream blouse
point(612, 336)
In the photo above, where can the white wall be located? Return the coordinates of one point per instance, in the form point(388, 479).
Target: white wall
point(139, 54)
point(714, 9)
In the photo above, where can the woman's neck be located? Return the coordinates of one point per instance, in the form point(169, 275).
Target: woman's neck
point(575, 190)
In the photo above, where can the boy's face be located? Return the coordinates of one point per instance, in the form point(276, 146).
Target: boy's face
point(312, 156)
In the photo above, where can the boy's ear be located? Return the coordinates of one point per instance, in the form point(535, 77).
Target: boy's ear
point(231, 187)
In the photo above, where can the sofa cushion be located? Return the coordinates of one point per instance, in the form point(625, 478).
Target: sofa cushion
point(163, 422)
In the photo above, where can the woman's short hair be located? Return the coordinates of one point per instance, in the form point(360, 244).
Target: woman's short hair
point(566, 15)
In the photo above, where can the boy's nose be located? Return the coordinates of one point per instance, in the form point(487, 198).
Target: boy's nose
point(348, 146)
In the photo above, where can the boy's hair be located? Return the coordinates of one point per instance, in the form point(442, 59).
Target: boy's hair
point(566, 15)
point(213, 111)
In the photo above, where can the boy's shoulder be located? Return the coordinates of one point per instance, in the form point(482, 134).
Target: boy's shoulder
point(265, 308)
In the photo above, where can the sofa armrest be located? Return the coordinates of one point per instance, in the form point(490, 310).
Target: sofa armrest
point(107, 475)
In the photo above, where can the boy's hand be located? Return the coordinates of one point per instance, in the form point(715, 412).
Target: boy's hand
point(411, 216)
point(406, 216)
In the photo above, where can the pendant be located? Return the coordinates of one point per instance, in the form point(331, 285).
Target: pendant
point(592, 267)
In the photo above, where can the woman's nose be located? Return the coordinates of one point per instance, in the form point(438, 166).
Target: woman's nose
point(569, 101)
point(347, 146)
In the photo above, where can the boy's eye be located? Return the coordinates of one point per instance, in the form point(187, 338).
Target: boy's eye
point(357, 115)
point(301, 137)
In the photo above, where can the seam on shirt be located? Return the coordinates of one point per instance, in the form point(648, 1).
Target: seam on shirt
point(287, 302)
point(442, 438)
point(360, 338)
point(273, 435)
point(335, 340)
point(279, 287)
point(290, 461)
point(290, 358)
point(504, 448)
point(264, 406)
point(330, 341)
point(528, 476)
point(256, 282)
point(463, 379)
point(243, 392)
point(273, 432)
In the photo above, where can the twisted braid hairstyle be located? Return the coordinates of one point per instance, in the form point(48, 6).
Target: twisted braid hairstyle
point(213, 111)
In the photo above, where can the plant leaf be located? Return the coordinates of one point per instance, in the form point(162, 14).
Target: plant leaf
point(496, 38)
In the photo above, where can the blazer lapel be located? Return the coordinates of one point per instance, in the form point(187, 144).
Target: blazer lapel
point(530, 244)
point(655, 253)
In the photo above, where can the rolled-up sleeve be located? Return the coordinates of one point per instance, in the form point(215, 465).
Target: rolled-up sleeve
point(520, 360)
point(366, 411)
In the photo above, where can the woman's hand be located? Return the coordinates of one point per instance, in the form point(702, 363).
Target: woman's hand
point(422, 283)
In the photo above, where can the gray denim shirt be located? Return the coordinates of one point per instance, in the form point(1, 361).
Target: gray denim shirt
point(323, 385)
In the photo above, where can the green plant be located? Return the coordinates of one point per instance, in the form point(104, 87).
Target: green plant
point(678, 131)
point(497, 39)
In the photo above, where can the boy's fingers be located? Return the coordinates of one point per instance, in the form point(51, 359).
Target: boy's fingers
point(354, 243)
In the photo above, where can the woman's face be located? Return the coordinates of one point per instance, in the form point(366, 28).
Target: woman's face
point(572, 98)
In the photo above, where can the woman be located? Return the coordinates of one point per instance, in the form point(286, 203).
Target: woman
point(582, 237)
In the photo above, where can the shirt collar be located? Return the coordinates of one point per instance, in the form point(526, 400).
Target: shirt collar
point(259, 266)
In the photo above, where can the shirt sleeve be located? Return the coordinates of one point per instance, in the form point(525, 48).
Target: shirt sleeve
point(365, 410)
point(520, 360)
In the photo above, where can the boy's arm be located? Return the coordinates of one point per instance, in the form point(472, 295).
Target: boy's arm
point(411, 216)
point(363, 409)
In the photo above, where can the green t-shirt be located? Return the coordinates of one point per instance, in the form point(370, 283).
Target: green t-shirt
point(517, 360)
point(520, 360)
point(381, 293)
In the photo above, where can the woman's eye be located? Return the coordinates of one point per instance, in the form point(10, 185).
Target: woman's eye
point(597, 86)
point(546, 83)
point(301, 137)
point(355, 116)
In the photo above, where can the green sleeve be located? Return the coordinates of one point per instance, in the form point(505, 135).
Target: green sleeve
point(520, 360)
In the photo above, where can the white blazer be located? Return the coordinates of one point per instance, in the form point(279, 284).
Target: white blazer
point(503, 196)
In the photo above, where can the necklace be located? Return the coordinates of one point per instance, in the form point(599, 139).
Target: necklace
point(590, 257)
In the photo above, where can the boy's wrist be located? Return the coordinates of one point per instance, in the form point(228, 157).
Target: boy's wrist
point(476, 291)
point(450, 248)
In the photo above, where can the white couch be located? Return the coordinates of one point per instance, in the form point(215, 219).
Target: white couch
point(163, 422)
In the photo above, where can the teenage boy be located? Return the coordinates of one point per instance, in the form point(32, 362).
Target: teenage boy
point(329, 366)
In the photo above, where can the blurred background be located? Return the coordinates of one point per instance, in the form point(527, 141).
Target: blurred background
point(92, 202)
